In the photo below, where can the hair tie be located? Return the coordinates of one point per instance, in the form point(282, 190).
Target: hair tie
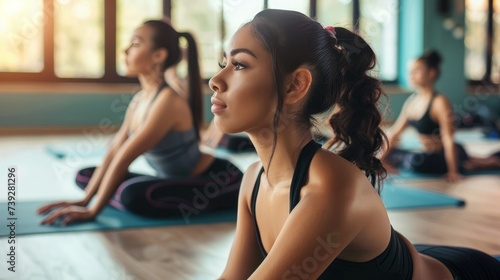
point(331, 30)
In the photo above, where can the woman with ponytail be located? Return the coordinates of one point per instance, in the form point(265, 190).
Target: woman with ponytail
point(305, 212)
point(163, 125)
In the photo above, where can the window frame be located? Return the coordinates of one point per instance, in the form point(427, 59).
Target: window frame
point(490, 36)
point(110, 75)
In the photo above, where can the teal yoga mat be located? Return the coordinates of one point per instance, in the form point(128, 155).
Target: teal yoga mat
point(405, 174)
point(398, 198)
point(28, 222)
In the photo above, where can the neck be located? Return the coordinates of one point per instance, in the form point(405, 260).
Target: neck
point(290, 141)
point(150, 81)
point(426, 90)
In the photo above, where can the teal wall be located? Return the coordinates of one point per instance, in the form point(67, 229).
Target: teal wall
point(45, 109)
point(66, 110)
point(421, 28)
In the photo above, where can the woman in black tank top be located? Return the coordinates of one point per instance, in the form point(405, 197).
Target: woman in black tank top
point(303, 211)
point(440, 154)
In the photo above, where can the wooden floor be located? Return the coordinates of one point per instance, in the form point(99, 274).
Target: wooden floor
point(200, 251)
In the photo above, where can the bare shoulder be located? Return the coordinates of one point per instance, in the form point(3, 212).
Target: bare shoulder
point(170, 98)
point(169, 107)
point(333, 173)
point(442, 101)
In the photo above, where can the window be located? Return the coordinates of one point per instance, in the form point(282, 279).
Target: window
point(70, 40)
point(84, 40)
point(377, 21)
point(129, 15)
point(203, 21)
point(482, 41)
point(79, 39)
point(21, 43)
point(296, 5)
point(213, 26)
point(378, 24)
point(335, 13)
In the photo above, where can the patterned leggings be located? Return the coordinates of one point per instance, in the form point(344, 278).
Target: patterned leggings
point(215, 189)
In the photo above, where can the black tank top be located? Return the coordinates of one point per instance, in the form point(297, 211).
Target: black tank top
point(394, 262)
point(425, 125)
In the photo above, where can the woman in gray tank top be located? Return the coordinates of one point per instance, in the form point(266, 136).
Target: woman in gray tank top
point(162, 125)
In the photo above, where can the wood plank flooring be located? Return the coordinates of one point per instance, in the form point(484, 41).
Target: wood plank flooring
point(201, 251)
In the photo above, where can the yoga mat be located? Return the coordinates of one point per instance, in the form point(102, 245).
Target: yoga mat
point(405, 174)
point(28, 222)
point(498, 258)
point(398, 198)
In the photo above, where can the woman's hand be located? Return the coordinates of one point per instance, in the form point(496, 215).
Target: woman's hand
point(69, 214)
point(453, 177)
point(62, 204)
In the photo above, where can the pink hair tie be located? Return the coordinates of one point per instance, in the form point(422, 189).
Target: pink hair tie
point(331, 30)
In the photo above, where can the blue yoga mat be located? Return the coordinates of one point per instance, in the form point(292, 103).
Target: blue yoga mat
point(398, 198)
point(28, 221)
point(405, 174)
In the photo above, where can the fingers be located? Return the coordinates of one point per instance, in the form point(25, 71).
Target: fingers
point(48, 207)
point(49, 220)
point(67, 219)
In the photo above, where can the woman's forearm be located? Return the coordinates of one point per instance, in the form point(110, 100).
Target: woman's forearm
point(97, 176)
point(96, 179)
point(451, 156)
point(111, 179)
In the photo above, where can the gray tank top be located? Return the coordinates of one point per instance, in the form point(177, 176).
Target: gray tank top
point(176, 154)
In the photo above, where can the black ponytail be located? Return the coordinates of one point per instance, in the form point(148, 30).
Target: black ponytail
point(339, 65)
point(195, 96)
point(358, 136)
point(166, 37)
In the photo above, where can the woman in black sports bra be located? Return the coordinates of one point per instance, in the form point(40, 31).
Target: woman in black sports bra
point(305, 212)
point(431, 115)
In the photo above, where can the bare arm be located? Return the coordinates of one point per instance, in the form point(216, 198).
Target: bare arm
point(245, 255)
point(444, 114)
point(120, 138)
point(397, 128)
point(157, 124)
point(95, 181)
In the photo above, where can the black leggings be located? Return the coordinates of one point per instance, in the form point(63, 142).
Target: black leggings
point(216, 189)
point(422, 162)
point(464, 263)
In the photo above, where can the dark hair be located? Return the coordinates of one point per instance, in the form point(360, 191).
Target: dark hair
point(432, 59)
point(339, 65)
point(166, 37)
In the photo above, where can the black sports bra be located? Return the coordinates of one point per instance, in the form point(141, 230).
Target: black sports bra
point(425, 125)
point(394, 262)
